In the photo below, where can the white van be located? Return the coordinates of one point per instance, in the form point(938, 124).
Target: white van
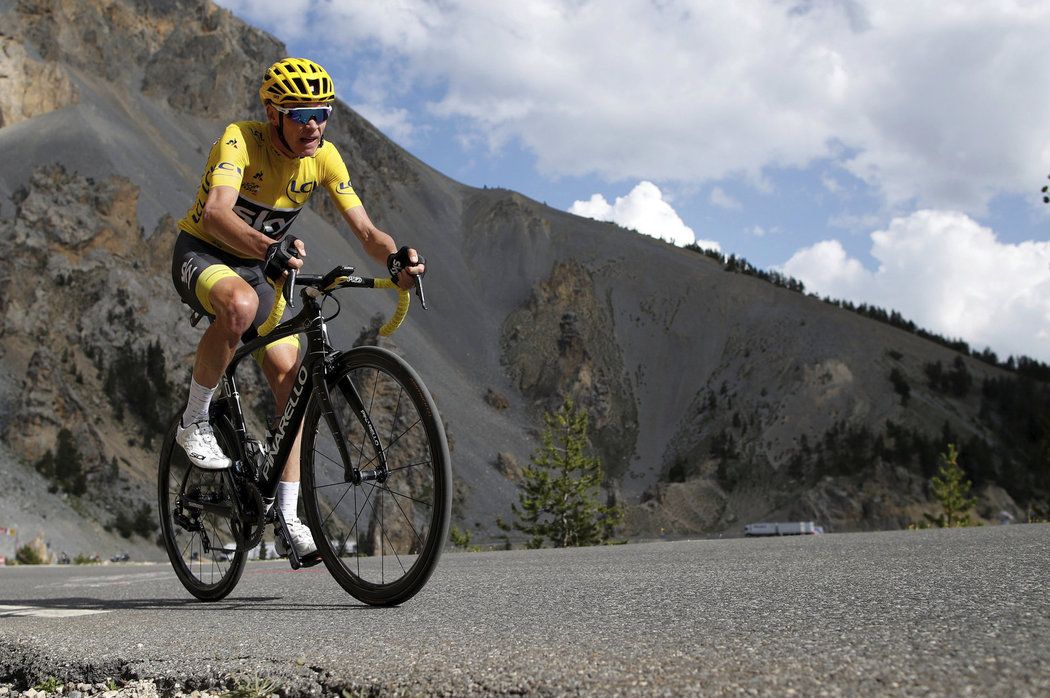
point(796, 528)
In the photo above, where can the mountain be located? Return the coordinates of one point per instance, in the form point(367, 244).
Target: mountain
point(715, 398)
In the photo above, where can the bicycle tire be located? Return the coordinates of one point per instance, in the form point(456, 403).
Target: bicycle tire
point(203, 535)
point(398, 527)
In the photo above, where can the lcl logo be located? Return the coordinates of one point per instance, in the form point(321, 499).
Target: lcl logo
point(299, 193)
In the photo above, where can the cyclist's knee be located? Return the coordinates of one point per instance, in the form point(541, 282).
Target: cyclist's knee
point(236, 310)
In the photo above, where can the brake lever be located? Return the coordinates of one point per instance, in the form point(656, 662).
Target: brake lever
point(418, 281)
point(289, 288)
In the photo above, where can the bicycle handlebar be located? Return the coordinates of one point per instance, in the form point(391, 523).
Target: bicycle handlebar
point(339, 277)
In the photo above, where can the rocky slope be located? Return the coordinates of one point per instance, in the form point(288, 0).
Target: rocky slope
point(715, 400)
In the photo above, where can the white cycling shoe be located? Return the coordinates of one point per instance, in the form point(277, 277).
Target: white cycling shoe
point(299, 536)
point(200, 445)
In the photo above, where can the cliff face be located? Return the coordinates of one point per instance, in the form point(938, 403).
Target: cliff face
point(561, 344)
point(713, 401)
point(30, 87)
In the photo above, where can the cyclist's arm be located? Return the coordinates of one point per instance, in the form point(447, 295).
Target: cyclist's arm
point(377, 244)
point(220, 221)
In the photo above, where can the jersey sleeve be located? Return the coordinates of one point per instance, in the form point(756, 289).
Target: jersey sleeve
point(228, 159)
point(336, 179)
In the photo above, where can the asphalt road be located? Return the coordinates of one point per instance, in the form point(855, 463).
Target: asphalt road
point(944, 612)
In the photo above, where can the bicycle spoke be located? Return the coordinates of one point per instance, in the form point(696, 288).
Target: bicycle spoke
point(334, 462)
point(393, 420)
point(400, 436)
point(335, 506)
point(188, 544)
point(399, 468)
point(409, 520)
point(384, 536)
point(394, 493)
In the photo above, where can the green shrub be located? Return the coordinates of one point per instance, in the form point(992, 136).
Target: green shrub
point(33, 553)
point(459, 537)
point(48, 685)
point(137, 384)
point(900, 385)
point(64, 466)
point(141, 522)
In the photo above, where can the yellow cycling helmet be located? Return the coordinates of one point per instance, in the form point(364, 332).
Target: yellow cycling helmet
point(292, 80)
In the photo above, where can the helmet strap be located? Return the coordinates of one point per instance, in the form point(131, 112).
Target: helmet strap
point(280, 134)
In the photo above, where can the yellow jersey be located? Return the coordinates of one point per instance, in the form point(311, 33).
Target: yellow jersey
point(272, 188)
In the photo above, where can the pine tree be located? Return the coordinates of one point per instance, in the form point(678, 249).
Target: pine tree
point(950, 487)
point(559, 497)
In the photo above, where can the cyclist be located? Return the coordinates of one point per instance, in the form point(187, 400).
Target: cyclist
point(234, 245)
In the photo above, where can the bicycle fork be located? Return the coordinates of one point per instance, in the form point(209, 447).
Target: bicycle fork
point(351, 473)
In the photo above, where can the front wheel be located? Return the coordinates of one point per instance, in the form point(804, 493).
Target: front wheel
point(380, 536)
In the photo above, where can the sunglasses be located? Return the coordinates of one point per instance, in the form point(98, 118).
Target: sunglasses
point(303, 115)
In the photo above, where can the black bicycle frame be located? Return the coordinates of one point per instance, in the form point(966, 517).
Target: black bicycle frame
point(311, 379)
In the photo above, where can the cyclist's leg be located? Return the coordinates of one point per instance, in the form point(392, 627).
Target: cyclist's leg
point(207, 282)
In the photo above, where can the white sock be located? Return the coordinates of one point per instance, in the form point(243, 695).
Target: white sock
point(197, 404)
point(288, 500)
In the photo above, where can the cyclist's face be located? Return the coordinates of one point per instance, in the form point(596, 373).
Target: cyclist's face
point(304, 139)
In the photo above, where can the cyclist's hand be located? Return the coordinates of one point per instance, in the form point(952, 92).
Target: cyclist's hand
point(403, 265)
point(284, 255)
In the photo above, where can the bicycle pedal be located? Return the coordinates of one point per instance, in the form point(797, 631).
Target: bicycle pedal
point(310, 560)
point(298, 563)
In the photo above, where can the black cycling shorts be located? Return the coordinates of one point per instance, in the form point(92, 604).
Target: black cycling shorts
point(196, 266)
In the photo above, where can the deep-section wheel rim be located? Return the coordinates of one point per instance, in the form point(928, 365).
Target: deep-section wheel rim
point(381, 538)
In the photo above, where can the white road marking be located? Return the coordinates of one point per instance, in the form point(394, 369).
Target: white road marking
point(43, 612)
point(113, 580)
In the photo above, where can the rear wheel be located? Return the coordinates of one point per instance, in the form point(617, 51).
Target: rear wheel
point(380, 537)
point(198, 520)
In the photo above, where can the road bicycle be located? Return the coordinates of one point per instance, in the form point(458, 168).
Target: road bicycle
point(376, 477)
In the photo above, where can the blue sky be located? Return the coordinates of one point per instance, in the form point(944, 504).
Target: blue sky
point(888, 152)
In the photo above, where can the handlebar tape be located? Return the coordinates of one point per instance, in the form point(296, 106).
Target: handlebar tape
point(403, 301)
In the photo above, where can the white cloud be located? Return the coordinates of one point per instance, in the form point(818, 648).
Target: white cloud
point(826, 269)
point(856, 223)
point(395, 123)
point(831, 184)
point(645, 210)
point(947, 273)
point(760, 232)
point(723, 200)
point(293, 15)
point(940, 101)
